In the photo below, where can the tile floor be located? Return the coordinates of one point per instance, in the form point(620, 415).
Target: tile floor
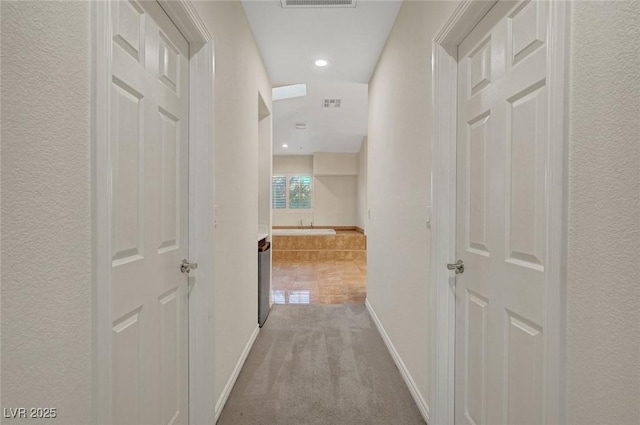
point(319, 282)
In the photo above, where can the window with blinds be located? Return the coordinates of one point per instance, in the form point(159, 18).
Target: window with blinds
point(279, 200)
point(291, 192)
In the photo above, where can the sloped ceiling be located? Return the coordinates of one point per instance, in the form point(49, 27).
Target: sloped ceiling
point(290, 40)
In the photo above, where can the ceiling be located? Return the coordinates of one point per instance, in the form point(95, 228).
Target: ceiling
point(292, 39)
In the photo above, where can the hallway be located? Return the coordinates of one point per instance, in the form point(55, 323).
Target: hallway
point(487, 150)
point(318, 365)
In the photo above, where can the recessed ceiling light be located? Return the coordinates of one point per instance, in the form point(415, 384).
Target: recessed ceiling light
point(321, 62)
point(285, 145)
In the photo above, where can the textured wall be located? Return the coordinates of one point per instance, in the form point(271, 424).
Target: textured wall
point(603, 288)
point(399, 173)
point(46, 223)
point(240, 76)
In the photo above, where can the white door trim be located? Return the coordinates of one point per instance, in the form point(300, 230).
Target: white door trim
point(201, 195)
point(444, 60)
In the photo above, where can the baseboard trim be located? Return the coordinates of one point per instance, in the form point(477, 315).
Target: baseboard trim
point(318, 227)
point(423, 406)
point(222, 400)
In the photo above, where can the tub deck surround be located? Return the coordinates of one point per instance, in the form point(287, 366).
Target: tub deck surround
point(303, 232)
point(336, 228)
point(345, 245)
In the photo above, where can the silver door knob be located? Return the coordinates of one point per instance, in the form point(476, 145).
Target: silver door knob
point(458, 266)
point(186, 267)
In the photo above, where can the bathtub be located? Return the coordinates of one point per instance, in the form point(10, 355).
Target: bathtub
point(303, 232)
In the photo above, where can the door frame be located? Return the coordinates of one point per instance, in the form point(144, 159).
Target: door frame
point(201, 201)
point(443, 200)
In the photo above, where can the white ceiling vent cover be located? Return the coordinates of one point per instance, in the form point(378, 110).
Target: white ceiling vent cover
point(332, 103)
point(288, 4)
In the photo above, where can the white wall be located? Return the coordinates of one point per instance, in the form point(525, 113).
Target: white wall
point(265, 155)
point(335, 194)
point(603, 290)
point(46, 209)
point(335, 200)
point(335, 164)
point(362, 187)
point(240, 76)
point(293, 164)
point(399, 171)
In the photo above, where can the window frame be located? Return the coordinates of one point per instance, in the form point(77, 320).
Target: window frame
point(287, 177)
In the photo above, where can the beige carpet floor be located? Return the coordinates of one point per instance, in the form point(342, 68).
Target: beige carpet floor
point(320, 365)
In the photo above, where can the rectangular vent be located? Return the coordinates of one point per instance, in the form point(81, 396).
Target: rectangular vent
point(332, 103)
point(286, 4)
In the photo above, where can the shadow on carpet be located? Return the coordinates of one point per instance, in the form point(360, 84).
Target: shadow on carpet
point(320, 364)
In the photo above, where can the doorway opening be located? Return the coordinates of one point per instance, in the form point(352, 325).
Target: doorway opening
point(319, 246)
point(319, 196)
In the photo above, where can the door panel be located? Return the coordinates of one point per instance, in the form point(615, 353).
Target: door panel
point(149, 116)
point(477, 200)
point(127, 118)
point(170, 357)
point(501, 217)
point(476, 357)
point(127, 358)
point(524, 372)
point(170, 210)
point(525, 197)
point(128, 29)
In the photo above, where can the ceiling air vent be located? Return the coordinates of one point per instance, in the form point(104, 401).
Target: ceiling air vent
point(332, 103)
point(287, 4)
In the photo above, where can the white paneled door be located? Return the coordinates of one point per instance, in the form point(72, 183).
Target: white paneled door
point(149, 168)
point(501, 225)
